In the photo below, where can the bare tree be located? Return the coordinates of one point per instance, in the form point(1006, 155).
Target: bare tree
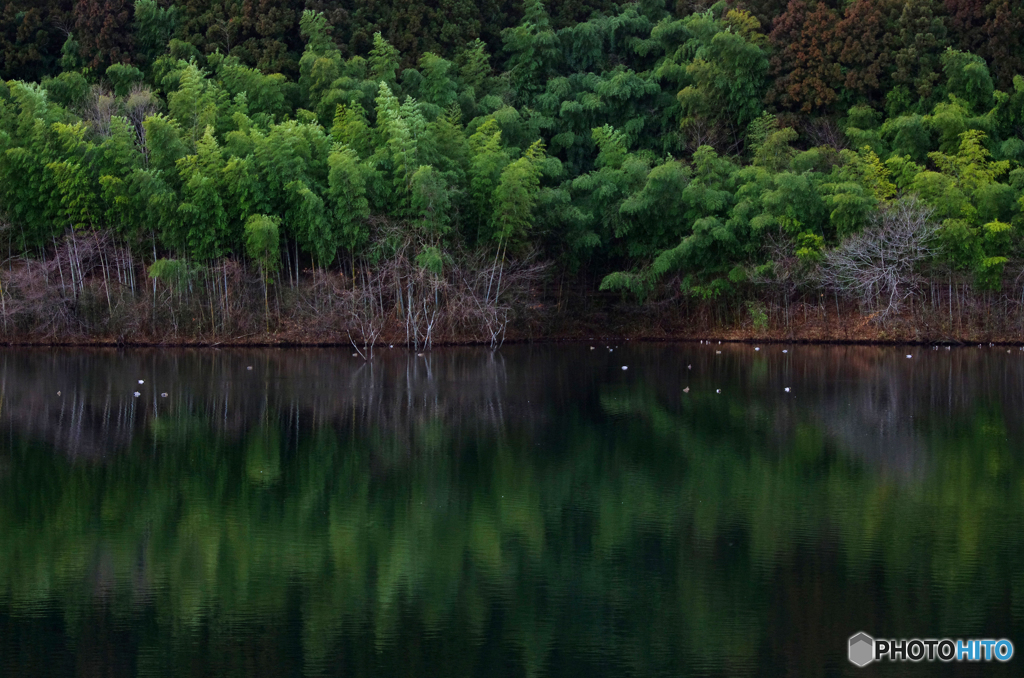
point(480, 307)
point(825, 132)
point(687, 7)
point(101, 106)
point(365, 310)
point(784, 275)
point(879, 264)
point(703, 132)
point(139, 105)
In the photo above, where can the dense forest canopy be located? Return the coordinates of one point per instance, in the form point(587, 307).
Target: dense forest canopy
point(710, 145)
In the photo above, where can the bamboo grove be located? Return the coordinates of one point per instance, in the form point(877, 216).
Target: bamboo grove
point(744, 156)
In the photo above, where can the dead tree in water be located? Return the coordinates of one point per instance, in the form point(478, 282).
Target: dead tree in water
point(365, 305)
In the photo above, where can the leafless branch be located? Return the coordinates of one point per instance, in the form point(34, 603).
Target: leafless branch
point(879, 265)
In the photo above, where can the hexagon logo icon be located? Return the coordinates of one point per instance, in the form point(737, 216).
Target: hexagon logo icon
point(862, 649)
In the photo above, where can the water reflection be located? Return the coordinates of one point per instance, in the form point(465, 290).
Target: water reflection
point(535, 511)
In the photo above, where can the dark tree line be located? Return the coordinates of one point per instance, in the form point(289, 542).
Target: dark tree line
point(262, 33)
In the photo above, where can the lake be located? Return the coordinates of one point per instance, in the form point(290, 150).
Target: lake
point(538, 511)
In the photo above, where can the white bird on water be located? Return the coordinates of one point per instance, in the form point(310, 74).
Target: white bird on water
point(625, 367)
point(787, 389)
point(718, 390)
point(137, 394)
point(141, 381)
point(686, 390)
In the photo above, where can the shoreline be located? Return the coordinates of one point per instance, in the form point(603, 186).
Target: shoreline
point(552, 340)
point(578, 318)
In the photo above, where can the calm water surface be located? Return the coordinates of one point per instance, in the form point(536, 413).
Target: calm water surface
point(535, 512)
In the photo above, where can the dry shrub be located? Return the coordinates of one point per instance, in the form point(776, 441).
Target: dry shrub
point(702, 131)
point(395, 291)
point(89, 286)
point(879, 265)
point(824, 132)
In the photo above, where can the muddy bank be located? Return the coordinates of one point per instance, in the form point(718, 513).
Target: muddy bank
point(398, 303)
point(810, 324)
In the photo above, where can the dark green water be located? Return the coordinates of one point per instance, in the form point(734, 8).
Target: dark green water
point(535, 512)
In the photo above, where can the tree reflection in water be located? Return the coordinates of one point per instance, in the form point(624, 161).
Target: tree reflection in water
point(537, 510)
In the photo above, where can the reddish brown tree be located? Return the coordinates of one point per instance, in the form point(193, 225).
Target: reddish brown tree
point(1005, 48)
point(965, 20)
point(992, 29)
point(806, 67)
point(103, 29)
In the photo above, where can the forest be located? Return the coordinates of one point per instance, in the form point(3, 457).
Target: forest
point(451, 171)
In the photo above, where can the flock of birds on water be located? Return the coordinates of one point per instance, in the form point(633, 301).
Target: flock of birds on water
point(786, 389)
point(611, 349)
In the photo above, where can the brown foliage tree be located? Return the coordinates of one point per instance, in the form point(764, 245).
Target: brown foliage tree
point(992, 29)
point(103, 29)
point(806, 63)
